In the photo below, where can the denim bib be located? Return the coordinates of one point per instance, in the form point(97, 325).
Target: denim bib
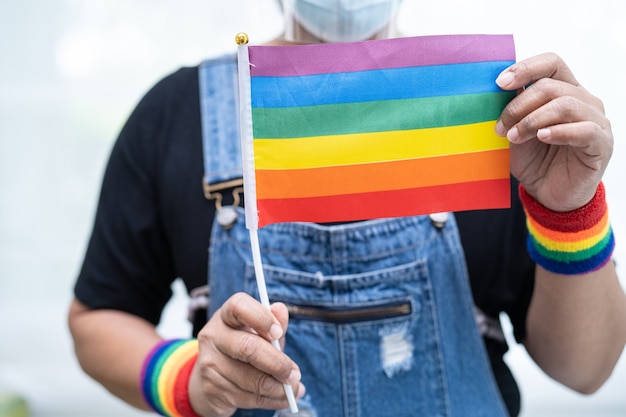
point(381, 313)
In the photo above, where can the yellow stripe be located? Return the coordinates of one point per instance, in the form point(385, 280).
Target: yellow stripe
point(568, 246)
point(335, 150)
point(169, 372)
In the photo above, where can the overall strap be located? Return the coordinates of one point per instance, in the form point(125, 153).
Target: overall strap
point(221, 147)
point(220, 124)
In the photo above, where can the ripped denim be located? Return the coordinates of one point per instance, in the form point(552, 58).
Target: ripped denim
point(381, 319)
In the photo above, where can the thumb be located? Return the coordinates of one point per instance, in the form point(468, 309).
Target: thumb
point(279, 310)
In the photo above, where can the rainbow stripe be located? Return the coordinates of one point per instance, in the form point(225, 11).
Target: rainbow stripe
point(388, 128)
point(165, 377)
point(573, 242)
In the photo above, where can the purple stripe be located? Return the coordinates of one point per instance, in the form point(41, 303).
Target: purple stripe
point(294, 60)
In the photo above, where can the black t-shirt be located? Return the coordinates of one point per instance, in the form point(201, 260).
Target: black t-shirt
point(153, 224)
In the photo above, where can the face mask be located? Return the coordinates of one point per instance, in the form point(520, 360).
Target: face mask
point(344, 20)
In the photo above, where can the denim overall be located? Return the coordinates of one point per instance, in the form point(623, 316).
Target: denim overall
point(381, 314)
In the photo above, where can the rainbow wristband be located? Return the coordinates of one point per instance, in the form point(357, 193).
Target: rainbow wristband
point(165, 377)
point(572, 242)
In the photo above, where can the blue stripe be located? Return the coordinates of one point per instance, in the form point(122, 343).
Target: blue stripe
point(152, 397)
point(575, 267)
point(384, 84)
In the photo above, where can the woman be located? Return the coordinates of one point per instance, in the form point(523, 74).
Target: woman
point(153, 225)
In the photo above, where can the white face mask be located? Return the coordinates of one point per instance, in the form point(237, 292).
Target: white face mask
point(343, 20)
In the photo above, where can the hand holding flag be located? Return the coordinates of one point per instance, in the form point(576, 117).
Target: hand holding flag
point(555, 119)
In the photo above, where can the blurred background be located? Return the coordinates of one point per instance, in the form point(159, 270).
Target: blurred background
point(72, 70)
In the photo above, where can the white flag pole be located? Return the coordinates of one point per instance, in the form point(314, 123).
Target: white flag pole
point(249, 183)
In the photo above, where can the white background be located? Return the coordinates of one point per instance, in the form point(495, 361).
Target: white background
point(72, 70)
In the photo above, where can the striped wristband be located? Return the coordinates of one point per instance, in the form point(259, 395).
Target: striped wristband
point(165, 377)
point(573, 242)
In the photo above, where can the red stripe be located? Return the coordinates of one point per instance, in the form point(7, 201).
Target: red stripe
point(395, 203)
point(573, 221)
point(181, 389)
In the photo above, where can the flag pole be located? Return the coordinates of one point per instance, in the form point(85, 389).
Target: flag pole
point(249, 183)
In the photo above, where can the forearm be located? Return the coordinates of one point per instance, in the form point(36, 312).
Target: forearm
point(576, 326)
point(111, 347)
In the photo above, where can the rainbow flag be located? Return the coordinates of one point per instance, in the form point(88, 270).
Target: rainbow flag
point(386, 128)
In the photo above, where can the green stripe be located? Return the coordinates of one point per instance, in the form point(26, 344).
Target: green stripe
point(377, 116)
point(572, 256)
point(165, 354)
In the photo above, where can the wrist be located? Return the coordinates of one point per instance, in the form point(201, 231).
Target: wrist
point(165, 377)
point(572, 242)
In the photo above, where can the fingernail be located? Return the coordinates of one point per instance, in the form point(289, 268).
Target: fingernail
point(543, 133)
point(276, 332)
point(500, 130)
point(301, 391)
point(294, 376)
point(505, 79)
point(513, 134)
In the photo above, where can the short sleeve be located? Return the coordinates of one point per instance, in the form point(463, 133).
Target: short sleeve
point(128, 263)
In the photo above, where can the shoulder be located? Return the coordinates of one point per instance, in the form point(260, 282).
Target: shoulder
point(164, 110)
point(176, 97)
point(172, 89)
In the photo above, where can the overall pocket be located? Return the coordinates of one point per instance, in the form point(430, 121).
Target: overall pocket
point(366, 343)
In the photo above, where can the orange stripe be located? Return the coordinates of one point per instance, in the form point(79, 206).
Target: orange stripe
point(396, 175)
